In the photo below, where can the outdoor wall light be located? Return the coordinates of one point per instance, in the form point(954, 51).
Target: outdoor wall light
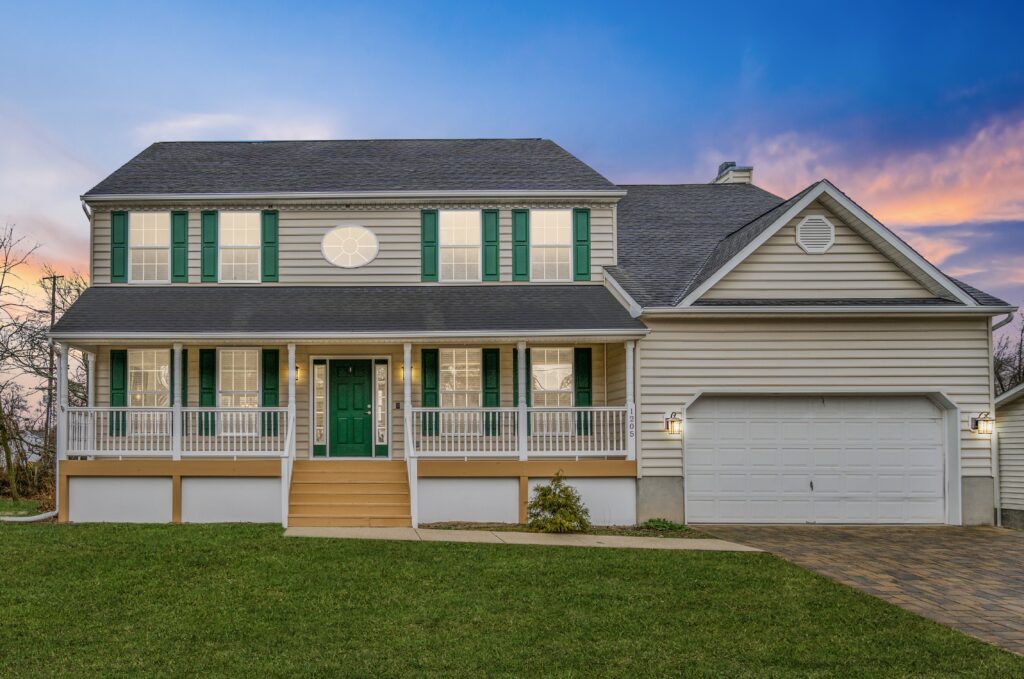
point(984, 423)
point(673, 422)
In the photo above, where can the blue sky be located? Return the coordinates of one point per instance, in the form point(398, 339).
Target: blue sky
point(915, 109)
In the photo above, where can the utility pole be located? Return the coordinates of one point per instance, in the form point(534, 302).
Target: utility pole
point(49, 375)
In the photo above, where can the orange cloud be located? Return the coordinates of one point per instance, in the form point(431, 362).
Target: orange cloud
point(935, 250)
point(979, 177)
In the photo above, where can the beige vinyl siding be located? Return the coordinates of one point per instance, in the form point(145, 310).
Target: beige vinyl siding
point(680, 358)
point(616, 374)
point(1010, 427)
point(852, 268)
point(302, 228)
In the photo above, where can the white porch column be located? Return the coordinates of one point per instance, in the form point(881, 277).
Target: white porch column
point(524, 416)
point(630, 403)
point(61, 438)
point(407, 398)
point(176, 420)
point(291, 398)
point(411, 464)
point(90, 388)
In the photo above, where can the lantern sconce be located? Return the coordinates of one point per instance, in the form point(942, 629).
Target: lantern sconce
point(673, 422)
point(984, 423)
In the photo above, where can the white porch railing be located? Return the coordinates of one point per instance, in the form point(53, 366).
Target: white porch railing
point(494, 432)
point(148, 432)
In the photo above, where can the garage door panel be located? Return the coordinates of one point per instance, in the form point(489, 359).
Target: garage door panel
point(871, 459)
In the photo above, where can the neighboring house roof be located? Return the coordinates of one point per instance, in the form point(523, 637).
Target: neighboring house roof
point(673, 238)
point(1008, 397)
point(125, 311)
point(352, 166)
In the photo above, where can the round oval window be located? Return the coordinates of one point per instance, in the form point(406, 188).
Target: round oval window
point(350, 246)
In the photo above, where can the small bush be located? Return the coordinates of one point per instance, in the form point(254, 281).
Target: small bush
point(661, 524)
point(556, 507)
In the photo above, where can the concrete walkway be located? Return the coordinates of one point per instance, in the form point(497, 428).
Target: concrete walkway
point(514, 538)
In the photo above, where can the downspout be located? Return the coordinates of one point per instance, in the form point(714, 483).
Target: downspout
point(995, 433)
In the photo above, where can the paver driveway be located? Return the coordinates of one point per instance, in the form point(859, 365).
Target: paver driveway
point(968, 578)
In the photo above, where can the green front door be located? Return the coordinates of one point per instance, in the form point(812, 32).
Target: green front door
point(351, 409)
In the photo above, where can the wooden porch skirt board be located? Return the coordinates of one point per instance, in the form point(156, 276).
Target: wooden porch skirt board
point(175, 469)
point(524, 470)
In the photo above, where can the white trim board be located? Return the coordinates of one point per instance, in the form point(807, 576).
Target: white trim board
point(1010, 396)
point(825, 188)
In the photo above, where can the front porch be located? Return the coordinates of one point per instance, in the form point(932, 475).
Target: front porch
point(404, 402)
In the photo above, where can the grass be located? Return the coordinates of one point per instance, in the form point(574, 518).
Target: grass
point(9, 507)
point(656, 528)
point(116, 600)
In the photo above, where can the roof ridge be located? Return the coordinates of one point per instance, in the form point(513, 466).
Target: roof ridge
point(301, 141)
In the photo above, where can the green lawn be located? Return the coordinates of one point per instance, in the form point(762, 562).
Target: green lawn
point(9, 507)
point(241, 600)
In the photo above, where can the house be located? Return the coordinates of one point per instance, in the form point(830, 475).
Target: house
point(1009, 428)
point(396, 332)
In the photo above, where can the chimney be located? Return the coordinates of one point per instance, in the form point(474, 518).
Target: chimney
point(728, 173)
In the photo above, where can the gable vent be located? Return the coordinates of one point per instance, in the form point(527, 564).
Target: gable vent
point(815, 234)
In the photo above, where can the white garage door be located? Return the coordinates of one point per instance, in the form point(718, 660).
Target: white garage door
point(814, 459)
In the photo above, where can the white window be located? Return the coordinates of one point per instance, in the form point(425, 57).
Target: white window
point(240, 247)
point(239, 378)
point(149, 245)
point(460, 245)
point(381, 411)
point(461, 378)
point(550, 245)
point(552, 384)
point(149, 375)
point(319, 404)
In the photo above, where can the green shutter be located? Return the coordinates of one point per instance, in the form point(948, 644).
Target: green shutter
point(270, 398)
point(208, 256)
point(520, 245)
point(428, 245)
point(582, 374)
point(270, 249)
point(430, 388)
point(489, 256)
point(492, 388)
point(118, 390)
point(179, 247)
point(118, 247)
point(581, 244)
point(207, 388)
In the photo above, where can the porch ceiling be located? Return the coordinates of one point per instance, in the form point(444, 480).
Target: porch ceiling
point(346, 312)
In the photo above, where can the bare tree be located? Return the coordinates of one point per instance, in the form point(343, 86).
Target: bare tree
point(1008, 359)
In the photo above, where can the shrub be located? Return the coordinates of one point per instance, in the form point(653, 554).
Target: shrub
point(661, 524)
point(556, 507)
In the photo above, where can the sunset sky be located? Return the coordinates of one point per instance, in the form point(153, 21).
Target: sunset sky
point(916, 110)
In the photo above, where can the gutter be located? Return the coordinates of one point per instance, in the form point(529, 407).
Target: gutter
point(342, 195)
point(108, 336)
point(831, 310)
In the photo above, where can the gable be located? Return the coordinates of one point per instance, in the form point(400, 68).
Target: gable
point(852, 268)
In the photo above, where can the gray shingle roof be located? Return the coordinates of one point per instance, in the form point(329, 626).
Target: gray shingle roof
point(352, 166)
point(127, 310)
point(667, 233)
point(672, 238)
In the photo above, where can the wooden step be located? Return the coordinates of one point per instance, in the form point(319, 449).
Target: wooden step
point(395, 511)
point(336, 476)
point(350, 465)
point(346, 487)
point(367, 498)
point(350, 521)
